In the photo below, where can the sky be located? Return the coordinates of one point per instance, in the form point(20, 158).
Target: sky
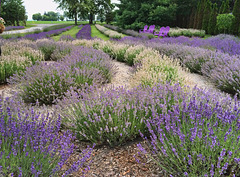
point(41, 6)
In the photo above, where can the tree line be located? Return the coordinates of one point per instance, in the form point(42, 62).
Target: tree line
point(214, 16)
point(48, 16)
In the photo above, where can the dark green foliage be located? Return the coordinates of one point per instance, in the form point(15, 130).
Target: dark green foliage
point(13, 12)
point(213, 20)
point(236, 13)
point(226, 8)
point(206, 15)
point(225, 21)
point(37, 16)
point(136, 14)
point(200, 14)
point(222, 7)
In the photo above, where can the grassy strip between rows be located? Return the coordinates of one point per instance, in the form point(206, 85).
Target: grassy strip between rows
point(72, 32)
point(97, 33)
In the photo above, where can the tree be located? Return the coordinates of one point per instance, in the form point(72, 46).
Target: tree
point(37, 16)
point(98, 7)
point(213, 20)
point(61, 17)
point(224, 21)
point(13, 11)
point(222, 7)
point(236, 13)
point(109, 17)
point(50, 16)
point(206, 15)
point(200, 14)
point(226, 8)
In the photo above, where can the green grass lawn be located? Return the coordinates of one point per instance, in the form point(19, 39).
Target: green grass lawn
point(97, 33)
point(72, 32)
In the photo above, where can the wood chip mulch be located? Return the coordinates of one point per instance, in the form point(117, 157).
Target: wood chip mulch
point(116, 162)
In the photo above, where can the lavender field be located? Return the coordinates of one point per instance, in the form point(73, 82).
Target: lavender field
point(59, 99)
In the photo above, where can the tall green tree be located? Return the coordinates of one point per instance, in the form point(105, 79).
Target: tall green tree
point(206, 15)
point(213, 20)
point(13, 11)
point(226, 8)
point(222, 7)
point(37, 16)
point(200, 14)
point(236, 13)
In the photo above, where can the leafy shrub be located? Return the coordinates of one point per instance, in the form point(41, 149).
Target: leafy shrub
point(32, 146)
point(199, 136)
point(224, 21)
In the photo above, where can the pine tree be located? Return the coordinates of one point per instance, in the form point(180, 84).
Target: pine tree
point(192, 16)
point(226, 8)
point(206, 15)
point(221, 8)
point(196, 17)
point(200, 14)
point(236, 13)
point(213, 20)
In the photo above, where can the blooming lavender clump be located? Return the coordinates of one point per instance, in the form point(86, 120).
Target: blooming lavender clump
point(116, 115)
point(30, 144)
point(198, 136)
point(84, 33)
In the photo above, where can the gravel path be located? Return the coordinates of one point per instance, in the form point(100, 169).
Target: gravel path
point(37, 27)
point(122, 76)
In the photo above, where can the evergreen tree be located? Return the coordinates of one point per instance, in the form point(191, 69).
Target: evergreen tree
point(236, 13)
point(213, 20)
point(192, 16)
point(222, 7)
point(200, 14)
point(206, 15)
point(196, 17)
point(226, 9)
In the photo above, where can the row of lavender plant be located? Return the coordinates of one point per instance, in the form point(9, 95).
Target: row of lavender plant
point(220, 67)
point(42, 35)
point(224, 43)
point(84, 33)
point(9, 28)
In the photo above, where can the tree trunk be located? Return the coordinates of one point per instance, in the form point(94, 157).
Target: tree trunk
point(91, 18)
point(75, 17)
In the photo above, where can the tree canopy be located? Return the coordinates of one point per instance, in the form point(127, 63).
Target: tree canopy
point(13, 11)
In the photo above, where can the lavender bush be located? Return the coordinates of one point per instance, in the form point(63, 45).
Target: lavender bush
point(46, 82)
point(15, 58)
point(84, 33)
point(116, 115)
point(199, 136)
point(30, 145)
